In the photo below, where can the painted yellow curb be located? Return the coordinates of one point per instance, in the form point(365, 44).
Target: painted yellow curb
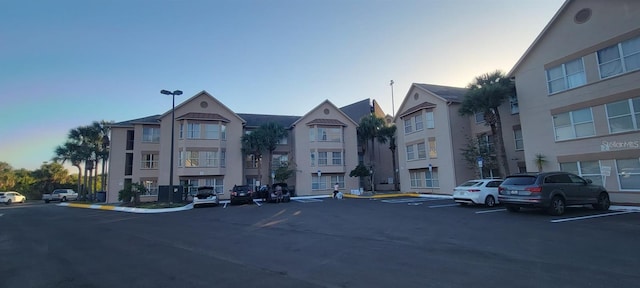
point(101, 207)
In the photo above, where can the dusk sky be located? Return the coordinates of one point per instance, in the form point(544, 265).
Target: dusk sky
point(67, 63)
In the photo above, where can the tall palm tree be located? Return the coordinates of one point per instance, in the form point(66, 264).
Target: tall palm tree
point(369, 130)
point(86, 138)
point(253, 144)
point(486, 93)
point(271, 134)
point(70, 151)
point(388, 133)
point(102, 128)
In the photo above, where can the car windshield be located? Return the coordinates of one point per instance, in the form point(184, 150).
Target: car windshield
point(470, 183)
point(520, 180)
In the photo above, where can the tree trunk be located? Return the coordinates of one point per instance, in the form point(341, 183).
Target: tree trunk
point(79, 179)
point(103, 177)
point(396, 185)
point(500, 150)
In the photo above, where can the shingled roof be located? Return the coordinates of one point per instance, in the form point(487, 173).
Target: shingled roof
point(423, 105)
point(453, 94)
point(155, 119)
point(331, 122)
point(357, 110)
point(255, 120)
point(203, 116)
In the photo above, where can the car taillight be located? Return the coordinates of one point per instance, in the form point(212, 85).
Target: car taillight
point(473, 190)
point(500, 189)
point(233, 193)
point(536, 189)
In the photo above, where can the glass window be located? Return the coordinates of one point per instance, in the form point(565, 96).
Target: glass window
point(431, 178)
point(410, 154)
point(418, 120)
point(620, 115)
point(337, 179)
point(422, 151)
point(313, 158)
point(322, 158)
point(513, 101)
point(432, 148)
point(193, 131)
point(430, 120)
point(149, 161)
point(566, 76)
point(585, 169)
point(211, 131)
point(574, 124)
point(223, 132)
point(416, 179)
point(336, 158)
point(151, 134)
point(629, 173)
point(407, 126)
point(517, 134)
point(333, 134)
point(479, 117)
point(620, 58)
point(223, 159)
point(211, 159)
point(319, 183)
point(192, 159)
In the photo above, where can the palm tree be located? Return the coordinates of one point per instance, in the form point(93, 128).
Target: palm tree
point(271, 133)
point(70, 151)
point(485, 95)
point(86, 139)
point(253, 144)
point(102, 148)
point(369, 130)
point(388, 133)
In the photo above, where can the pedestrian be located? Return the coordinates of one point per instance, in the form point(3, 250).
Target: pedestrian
point(335, 190)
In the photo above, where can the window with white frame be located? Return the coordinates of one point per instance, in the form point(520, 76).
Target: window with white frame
point(408, 128)
point(584, 169)
point(479, 116)
point(192, 159)
point(312, 134)
point(619, 58)
point(193, 131)
point(217, 183)
point(212, 131)
point(566, 76)
point(151, 184)
point(337, 179)
point(283, 141)
point(486, 143)
point(151, 134)
point(210, 158)
point(279, 160)
point(251, 161)
point(325, 134)
point(430, 121)
point(149, 161)
point(223, 132)
point(431, 178)
point(336, 158)
point(623, 115)
point(517, 135)
point(313, 158)
point(416, 178)
point(192, 186)
point(334, 134)
point(513, 101)
point(223, 158)
point(181, 131)
point(319, 183)
point(628, 173)
point(322, 158)
point(422, 150)
point(410, 154)
point(418, 120)
point(433, 153)
point(574, 124)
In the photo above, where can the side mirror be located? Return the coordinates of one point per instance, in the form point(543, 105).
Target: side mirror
point(589, 181)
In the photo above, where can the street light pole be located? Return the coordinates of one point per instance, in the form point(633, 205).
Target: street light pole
point(393, 108)
point(173, 120)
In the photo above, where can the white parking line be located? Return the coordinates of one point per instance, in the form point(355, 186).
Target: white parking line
point(1, 214)
point(489, 211)
point(308, 200)
point(590, 216)
point(446, 205)
point(407, 200)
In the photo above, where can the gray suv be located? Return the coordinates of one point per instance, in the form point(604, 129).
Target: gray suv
point(552, 191)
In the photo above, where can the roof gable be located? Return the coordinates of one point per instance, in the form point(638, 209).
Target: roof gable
point(325, 102)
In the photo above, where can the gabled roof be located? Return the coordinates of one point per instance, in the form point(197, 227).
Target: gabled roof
point(423, 105)
point(328, 122)
point(155, 119)
point(357, 110)
point(255, 120)
point(538, 39)
point(320, 105)
point(203, 116)
point(453, 94)
point(204, 92)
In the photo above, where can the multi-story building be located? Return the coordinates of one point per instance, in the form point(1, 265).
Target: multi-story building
point(321, 146)
point(578, 88)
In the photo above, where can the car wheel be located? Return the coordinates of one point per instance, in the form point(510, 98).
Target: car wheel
point(557, 206)
point(490, 201)
point(23, 200)
point(603, 202)
point(8, 202)
point(64, 199)
point(512, 208)
point(46, 201)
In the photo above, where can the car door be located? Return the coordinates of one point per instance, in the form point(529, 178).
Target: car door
point(584, 193)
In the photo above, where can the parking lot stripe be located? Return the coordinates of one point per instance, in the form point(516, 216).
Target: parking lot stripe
point(446, 205)
point(590, 216)
point(489, 211)
point(308, 200)
point(407, 200)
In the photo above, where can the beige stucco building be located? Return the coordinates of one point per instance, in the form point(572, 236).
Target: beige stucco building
point(578, 88)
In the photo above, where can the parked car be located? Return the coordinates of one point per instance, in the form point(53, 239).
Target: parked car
point(206, 195)
point(279, 193)
point(12, 197)
point(262, 193)
point(61, 195)
point(552, 191)
point(241, 194)
point(478, 191)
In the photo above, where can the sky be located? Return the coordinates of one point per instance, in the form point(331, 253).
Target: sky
point(68, 63)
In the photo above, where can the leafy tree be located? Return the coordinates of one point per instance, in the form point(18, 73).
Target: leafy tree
point(253, 144)
point(486, 93)
point(283, 173)
point(71, 152)
point(50, 176)
point(388, 133)
point(360, 171)
point(369, 130)
point(7, 177)
point(472, 151)
point(132, 191)
point(271, 134)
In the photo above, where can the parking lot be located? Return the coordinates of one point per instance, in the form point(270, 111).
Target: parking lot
point(388, 242)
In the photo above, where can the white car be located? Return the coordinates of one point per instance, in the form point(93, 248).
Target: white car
point(11, 197)
point(206, 195)
point(478, 191)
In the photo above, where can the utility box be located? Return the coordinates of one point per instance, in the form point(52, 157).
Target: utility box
point(166, 194)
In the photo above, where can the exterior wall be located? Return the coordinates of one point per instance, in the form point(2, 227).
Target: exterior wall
point(563, 41)
point(117, 148)
point(460, 131)
point(303, 147)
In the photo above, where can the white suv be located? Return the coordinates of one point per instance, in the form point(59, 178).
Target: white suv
point(479, 191)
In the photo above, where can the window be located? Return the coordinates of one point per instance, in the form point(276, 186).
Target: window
point(620, 58)
point(181, 131)
point(223, 132)
point(585, 169)
point(430, 120)
point(517, 135)
point(149, 161)
point(251, 161)
point(313, 158)
point(479, 117)
point(211, 131)
point(629, 173)
point(513, 101)
point(325, 134)
point(279, 160)
point(407, 126)
point(336, 158)
point(337, 179)
point(193, 131)
point(422, 151)
point(151, 134)
point(334, 134)
point(192, 159)
point(312, 134)
point(432, 148)
point(410, 154)
point(322, 134)
point(431, 178)
point(623, 115)
point(130, 139)
point(128, 164)
point(322, 158)
point(418, 120)
point(283, 141)
point(574, 124)
point(566, 76)
point(486, 144)
point(416, 179)
point(223, 159)
point(319, 183)
point(151, 185)
point(210, 159)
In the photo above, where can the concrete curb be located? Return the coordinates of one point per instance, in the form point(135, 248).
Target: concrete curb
point(127, 209)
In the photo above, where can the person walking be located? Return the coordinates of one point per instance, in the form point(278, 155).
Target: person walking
point(335, 190)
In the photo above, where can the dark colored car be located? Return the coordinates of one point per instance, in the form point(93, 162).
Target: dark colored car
point(552, 191)
point(279, 193)
point(241, 194)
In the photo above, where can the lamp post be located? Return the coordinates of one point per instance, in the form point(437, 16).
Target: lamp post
point(173, 120)
point(393, 109)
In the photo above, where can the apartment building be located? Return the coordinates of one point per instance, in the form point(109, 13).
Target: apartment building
point(321, 146)
point(578, 88)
